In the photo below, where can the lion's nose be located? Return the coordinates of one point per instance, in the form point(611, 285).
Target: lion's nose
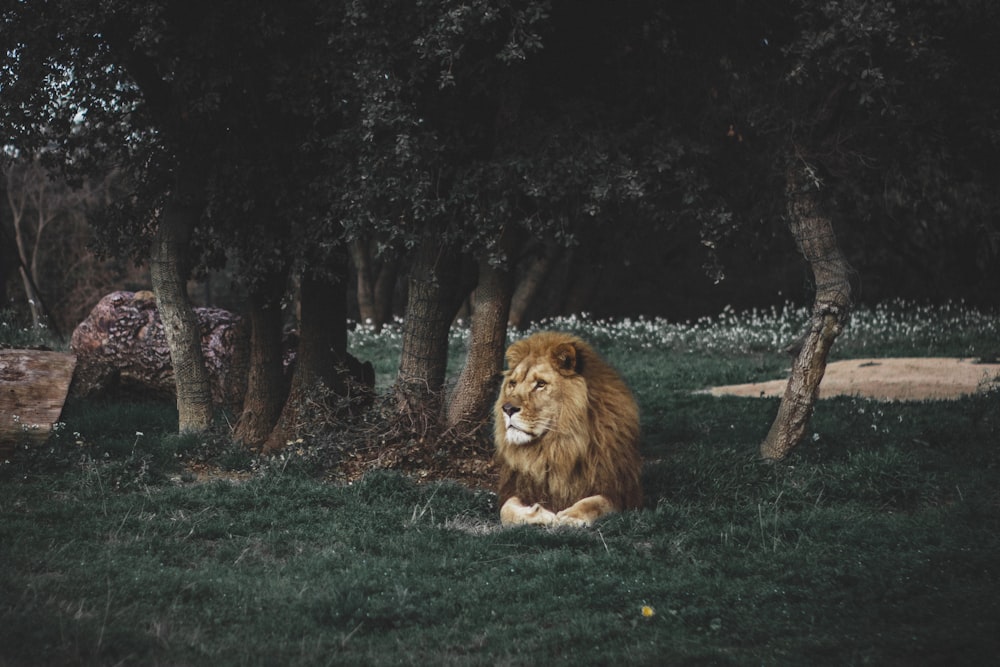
point(510, 409)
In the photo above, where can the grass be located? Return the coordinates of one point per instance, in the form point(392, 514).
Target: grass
point(876, 543)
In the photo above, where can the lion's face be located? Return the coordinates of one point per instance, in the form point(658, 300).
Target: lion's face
point(535, 391)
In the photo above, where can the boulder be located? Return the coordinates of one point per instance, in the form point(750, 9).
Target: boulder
point(122, 347)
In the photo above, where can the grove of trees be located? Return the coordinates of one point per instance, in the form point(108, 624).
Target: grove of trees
point(475, 151)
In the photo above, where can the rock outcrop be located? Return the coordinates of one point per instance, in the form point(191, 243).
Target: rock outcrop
point(121, 347)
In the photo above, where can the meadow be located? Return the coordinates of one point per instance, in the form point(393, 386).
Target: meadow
point(875, 543)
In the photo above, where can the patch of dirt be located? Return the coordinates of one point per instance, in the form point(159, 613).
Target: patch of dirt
point(889, 379)
point(465, 461)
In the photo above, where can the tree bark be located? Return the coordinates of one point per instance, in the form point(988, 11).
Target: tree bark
point(168, 273)
point(813, 232)
point(472, 397)
point(266, 387)
point(433, 298)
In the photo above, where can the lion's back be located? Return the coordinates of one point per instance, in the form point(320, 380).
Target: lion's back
point(614, 434)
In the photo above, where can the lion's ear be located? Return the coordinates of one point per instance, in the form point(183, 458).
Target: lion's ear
point(564, 358)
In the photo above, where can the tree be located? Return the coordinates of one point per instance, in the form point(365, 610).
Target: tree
point(266, 386)
point(863, 54)
point(169, 273)
point(433, 297)
point(813, 231)
point(47, 238)
point(831, 104)
point(29, 195)
point(321, 367)
point(475, 390)
point(538, 266)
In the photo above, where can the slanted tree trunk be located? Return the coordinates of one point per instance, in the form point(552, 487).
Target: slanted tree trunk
point(168, 273)
point(813, 232)
point(433, 298)
point(266, 386)
point(530, 284)
point(469, 407)
point(320, 361)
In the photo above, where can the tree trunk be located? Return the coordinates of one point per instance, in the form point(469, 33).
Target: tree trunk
point(376, 284)
point(266, 388)
point(530, 284)
point(385, 287)
point(31, 293)
point(4, 270)
point(320, 361)
point(585, 270)
point(366, 283)
point(433, 299)
point(469, 407)
point(168, 273)
point(813, 232)
point(33, 297)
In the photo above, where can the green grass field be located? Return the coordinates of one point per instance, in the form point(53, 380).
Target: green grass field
point(876, 543)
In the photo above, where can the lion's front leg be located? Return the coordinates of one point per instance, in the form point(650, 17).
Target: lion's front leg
point(514, 513)
point(585, 512)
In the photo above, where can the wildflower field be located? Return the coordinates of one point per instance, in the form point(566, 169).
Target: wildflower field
point(875, 543)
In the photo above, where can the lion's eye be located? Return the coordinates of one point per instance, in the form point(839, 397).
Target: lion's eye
point(540, 384)
point(512, 384)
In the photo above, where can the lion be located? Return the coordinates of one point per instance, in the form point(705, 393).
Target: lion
point(567, 429)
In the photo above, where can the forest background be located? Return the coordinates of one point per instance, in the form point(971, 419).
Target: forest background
point(509, 160)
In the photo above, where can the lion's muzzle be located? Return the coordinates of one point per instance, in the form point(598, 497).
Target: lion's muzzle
point(518, 432)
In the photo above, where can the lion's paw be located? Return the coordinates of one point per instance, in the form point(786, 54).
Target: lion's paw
point(538, 514)
point(568, 518)
point(514, 513)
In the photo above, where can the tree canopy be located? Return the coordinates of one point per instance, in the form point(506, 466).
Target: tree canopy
point(379, 117)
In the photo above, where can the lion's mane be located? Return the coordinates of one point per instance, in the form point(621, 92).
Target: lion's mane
point(591, 447)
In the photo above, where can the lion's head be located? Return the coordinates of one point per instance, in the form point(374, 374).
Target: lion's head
point(566, 426)
point(541, 389)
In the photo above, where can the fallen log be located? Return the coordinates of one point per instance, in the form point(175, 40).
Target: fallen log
point(33, 388)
